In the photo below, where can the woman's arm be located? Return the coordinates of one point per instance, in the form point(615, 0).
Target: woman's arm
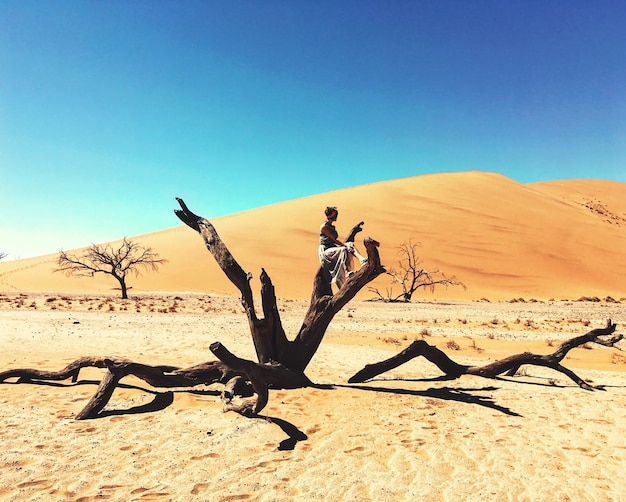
point(327, 233)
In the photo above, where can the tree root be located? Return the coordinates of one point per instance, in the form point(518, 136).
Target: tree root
point(239, 376)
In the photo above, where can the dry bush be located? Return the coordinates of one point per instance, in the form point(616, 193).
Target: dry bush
point(391, 340)
point(517, 300)
point(618, 359)
point(452, 345)
point(588, 299)
point(473, 344)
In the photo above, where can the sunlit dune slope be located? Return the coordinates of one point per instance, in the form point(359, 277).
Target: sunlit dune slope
point(503, 239)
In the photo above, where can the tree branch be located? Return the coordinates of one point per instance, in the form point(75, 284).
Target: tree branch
point(507, 365)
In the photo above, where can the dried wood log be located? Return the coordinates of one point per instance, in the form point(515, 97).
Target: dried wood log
point(508, 365)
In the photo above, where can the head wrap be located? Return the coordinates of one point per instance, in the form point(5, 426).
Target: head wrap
point(331, 212)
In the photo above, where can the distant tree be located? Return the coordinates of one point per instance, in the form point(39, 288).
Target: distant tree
point(129, 257)
point(2, 255)
point(411, 276)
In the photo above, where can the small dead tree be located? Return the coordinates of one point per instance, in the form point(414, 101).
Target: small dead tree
point(411, 276)
point(2, 255)
point(118, 262)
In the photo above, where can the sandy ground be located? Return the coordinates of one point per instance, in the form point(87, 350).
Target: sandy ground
point(403, 436)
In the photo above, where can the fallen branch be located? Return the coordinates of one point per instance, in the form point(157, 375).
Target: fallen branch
point(508, 366)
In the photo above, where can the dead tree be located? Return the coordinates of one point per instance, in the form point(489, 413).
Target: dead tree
point(507, 366)
point(281, 361)
point(411, 276)
point(128, 258)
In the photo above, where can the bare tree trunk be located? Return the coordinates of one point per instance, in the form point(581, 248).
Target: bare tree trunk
point(268, 335)
point(124, 289)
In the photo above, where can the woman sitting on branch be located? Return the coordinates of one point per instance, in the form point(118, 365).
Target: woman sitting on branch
point(336, 256)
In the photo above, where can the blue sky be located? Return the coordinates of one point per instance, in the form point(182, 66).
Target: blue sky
point(109, 110)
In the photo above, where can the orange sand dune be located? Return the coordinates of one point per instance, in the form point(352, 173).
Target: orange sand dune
point(503, 239)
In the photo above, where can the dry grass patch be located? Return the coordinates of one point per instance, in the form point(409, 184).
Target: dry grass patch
point(452, 345)
point(618, 359)
point(473, 345)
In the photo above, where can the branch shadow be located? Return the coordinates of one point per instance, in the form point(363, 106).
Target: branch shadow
point(161, 399)
point(549, 382)
point(294, 434)
point(460, 395)
point(51, 383)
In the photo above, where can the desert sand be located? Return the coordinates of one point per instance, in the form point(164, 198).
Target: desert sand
point(529, 255)
point(402, 436)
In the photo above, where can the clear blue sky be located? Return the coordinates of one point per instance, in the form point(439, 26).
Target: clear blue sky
point(110, 109)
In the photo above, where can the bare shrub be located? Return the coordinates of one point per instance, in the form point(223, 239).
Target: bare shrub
point(118, 262)
point(410, 276)
point(618, 359)
point(391, 340)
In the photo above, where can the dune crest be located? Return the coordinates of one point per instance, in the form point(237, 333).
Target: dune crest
point(503, 239)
